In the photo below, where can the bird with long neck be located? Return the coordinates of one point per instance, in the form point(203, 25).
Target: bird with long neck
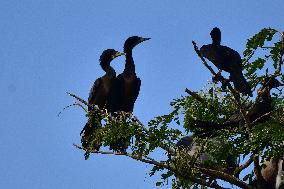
point(99, 95)
point(127, 87)
point(127, 83)
point(227, 59)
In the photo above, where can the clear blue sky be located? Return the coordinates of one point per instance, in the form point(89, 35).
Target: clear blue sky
point(50, 47)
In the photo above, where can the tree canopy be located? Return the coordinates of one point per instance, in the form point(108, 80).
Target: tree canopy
point(223, 122)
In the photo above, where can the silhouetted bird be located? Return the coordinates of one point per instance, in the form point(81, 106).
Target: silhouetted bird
point(127, 85)
point(226, 59)
point(99, 95)
point(262, 105)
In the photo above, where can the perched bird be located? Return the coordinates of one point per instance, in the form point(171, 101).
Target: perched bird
point(262, 105)
point(99, 95)
point(127, 83)
point(127, 86)
point(227, 59)
point(191, 147)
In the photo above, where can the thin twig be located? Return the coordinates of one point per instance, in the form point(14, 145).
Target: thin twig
point(133, 156)
point(248, 58)
point(78, 98)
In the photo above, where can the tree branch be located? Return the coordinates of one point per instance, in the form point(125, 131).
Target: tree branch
point(224, 176)
point(144, 159)
point(257, 169)
point(244, 166)
point(195, 95)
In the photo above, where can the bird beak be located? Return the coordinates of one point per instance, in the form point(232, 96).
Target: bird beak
point(118, 54)
point(144, 39)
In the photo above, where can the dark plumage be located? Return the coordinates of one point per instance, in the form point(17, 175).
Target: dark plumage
point(127, 85)
point(99, 95)
point(262, 105)
point(226, 59)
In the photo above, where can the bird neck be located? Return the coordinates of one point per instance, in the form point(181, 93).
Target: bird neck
point(108, 69)
point(216, 42)
point(129, 63)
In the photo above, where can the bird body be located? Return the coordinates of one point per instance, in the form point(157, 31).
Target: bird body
point(103, 85)
point(127, 83)
point(127, 87)
point(99, 95)
point(227, 59)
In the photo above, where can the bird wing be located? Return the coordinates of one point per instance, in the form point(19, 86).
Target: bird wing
point(93, 91)
point(136, 89)
point(231, 55)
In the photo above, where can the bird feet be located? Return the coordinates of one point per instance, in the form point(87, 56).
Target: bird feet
point(217, 77)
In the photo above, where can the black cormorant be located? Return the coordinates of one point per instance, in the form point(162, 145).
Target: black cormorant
point(99, 94)
point(127, 83)
point(262, 105)
point(127, 86)
point(227, 59)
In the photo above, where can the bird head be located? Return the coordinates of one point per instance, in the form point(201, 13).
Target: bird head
point(109, 54)
point(216, 36)
point(131, 42)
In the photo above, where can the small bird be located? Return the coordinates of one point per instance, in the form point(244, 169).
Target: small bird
point(127, 86)
point(227, 59)
point(99, 95)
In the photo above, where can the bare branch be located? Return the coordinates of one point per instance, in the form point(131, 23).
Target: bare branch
point(78, 98)
point(202, 59)
point(195, 95)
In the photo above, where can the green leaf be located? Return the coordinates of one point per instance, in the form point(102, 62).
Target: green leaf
point(159, 183)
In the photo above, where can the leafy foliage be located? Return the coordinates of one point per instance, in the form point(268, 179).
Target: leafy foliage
point(217, 105)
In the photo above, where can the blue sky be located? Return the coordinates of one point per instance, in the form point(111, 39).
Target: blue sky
point(50, 47)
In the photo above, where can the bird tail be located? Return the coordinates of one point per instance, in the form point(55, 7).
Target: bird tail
point(208, 128)
point(241, 84)
point(90, 136)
